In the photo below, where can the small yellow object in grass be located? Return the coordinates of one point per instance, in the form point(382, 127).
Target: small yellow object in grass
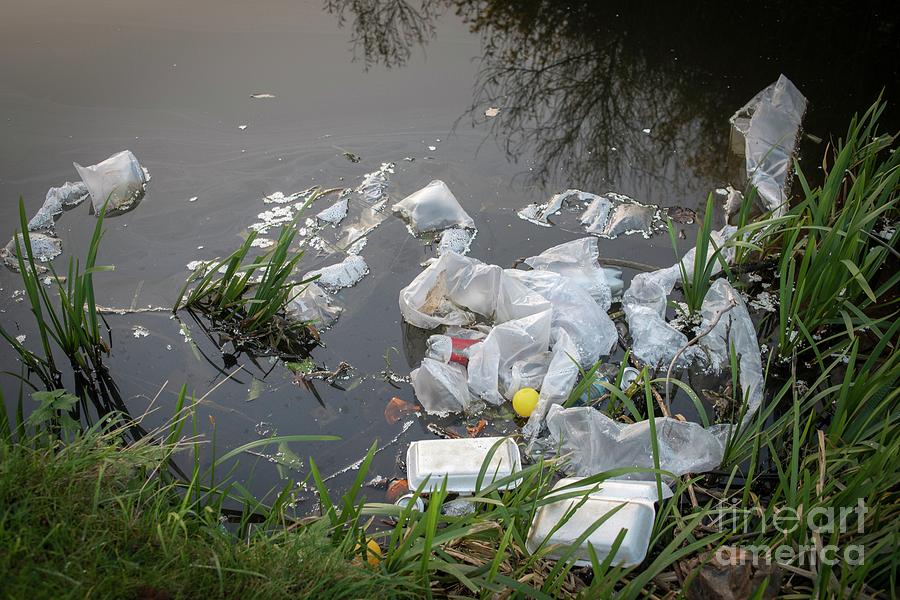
point(373, 552)
point(524, 401)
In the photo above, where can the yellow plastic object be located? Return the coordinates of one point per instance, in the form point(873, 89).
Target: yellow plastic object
point(524, 401)
point(373, 552)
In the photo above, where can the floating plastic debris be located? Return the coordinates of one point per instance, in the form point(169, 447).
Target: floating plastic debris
point(375, 184)
point(262, 96)
point(539, 213)
point(140, 331)
point(492, 111)
point(274, 217)
point(20, 338)
point(455, 240)
point(433, 208)
point(609, 215)
point(335, 213)
point(262, 242)
point(357, 246)
point(646, 130)
point(44, 248)
point(58, 199)
point(243, 127)
point(343, 274)
point(120, 179)
point(314, 305)
point(765, 131)
point(192, 199)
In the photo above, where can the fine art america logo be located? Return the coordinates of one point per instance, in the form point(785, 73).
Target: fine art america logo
point(824, 524)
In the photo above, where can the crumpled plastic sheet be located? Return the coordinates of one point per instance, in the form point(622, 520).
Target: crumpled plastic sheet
point(314, 305)
point(655, 341)
point(491, 361)
point(539, 213)
point(562, 373)
point(433, 208)
point(120, 178)
point(58, 199)
point(596, 443)
point(44, 248)
point(442, 387)
point(343, 274)
point(531, 311)
point(608, 215)
point(770, 124)
point(578, 261)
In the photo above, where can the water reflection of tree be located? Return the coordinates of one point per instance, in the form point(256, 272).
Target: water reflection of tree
point(386, 31)
point(574, 80)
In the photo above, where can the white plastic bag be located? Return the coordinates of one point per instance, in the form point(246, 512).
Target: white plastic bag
point(432, 208)
point(578, 260)
point(120, 178)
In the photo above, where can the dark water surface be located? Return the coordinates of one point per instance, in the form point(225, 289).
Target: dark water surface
point(577, 85)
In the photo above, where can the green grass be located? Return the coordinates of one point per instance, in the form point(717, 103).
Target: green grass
point(91, 518)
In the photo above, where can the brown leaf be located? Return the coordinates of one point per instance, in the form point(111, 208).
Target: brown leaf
point(397, 488)
point(396, 408)
point(477, 428)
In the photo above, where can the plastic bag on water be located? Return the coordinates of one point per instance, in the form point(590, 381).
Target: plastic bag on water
point(432, 208)
point(769, 125)
point(441, 387)
point(120, 178)
point(439, 348)
point(595, 443)
point(491, 361)
point(313, 304)
point(529, 372)
point(58, 199)
point(577, 260)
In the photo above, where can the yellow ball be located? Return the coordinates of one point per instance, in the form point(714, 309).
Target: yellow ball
point(373, 552)
point(524, 401)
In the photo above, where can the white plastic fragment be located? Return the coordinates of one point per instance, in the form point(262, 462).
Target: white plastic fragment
point(559, 525)
point(375, 184)
point(140, 331)
point(312, 304)
point(455, 239)
point(343, 274)
point(335, 213)
point(119, 178)
point(459, 462)
point(433, 208)
point(44, 248)
point(67, 195)
point(765, 131)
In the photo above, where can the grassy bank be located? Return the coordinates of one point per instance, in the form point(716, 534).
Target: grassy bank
point(93, 519)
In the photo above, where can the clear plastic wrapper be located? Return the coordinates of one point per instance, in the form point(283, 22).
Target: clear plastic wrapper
point(442, 387)
point(120, 179)
point(314, 305)
point(578, 261)
point(433, 208)
point(769, 125)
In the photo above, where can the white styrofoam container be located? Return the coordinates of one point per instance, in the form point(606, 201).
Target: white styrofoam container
point(637, 514)
point(459, 461)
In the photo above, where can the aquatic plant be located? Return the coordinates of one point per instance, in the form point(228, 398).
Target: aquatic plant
point(696, 283)
point(246, 297)
point(70, 324)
